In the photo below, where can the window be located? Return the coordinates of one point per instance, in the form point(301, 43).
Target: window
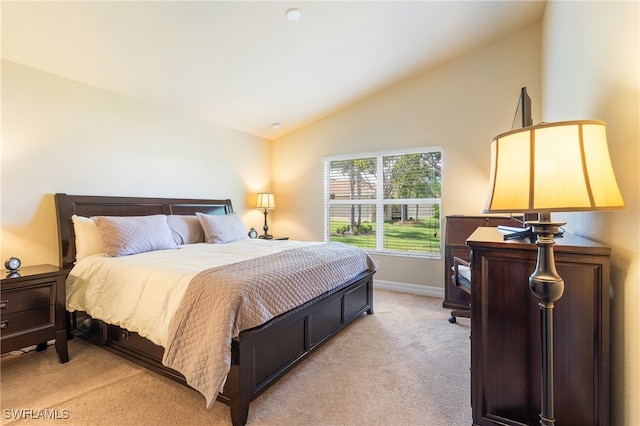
point(386, 202)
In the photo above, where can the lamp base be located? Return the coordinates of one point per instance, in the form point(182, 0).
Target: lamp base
point(547, 286)
point(265, 228)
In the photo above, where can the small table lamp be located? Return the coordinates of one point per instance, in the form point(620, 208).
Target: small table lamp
point(265, 201)
point(551, 167)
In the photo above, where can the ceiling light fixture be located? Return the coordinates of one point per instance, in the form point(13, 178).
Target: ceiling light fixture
point(275, 126)
point(293, 14)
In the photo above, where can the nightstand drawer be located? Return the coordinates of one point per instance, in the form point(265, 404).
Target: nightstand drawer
point(16, 322)
point(27, 298)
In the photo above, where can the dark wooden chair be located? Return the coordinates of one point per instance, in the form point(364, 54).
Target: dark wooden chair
point(461, 277)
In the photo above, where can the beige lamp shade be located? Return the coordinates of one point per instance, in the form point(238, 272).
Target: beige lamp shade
point(265, 201)
point(562, 166)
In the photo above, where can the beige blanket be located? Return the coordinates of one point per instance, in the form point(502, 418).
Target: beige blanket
point(221, 302)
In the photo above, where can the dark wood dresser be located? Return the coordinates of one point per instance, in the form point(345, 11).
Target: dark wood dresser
point(457, 230)
point(33, 309)
point(505, 332)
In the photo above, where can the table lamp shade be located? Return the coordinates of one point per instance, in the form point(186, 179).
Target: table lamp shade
point(562, 166)
point(265, 201)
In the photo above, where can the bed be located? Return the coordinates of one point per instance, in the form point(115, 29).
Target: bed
point(259, 355)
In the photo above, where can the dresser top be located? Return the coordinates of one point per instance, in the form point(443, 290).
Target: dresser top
point(491, 237)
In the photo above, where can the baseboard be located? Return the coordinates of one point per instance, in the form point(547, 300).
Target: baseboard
point(421, 290)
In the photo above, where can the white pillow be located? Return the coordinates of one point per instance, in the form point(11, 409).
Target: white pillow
point(88, 239)
point(222, 228)
point(125, 235)
point(185, 229)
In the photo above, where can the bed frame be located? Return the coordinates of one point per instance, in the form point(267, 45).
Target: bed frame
point(261, 355)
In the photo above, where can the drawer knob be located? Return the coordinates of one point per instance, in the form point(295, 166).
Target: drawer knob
point(4, 304)
point(4, 324)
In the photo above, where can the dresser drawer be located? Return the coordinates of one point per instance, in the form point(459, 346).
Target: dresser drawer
point(17, 322)
point(27, 298)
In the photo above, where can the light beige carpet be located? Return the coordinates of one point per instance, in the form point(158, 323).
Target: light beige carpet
point(404, 365)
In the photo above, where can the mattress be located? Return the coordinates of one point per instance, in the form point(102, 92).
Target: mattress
point(194, 299)
point(142, 292)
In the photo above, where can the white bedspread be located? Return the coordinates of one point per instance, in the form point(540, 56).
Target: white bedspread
point(144, 290)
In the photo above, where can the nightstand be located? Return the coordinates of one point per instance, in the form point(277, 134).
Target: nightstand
point(33, 309)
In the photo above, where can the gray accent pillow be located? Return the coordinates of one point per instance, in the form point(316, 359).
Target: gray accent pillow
point(125, 235)
point(222, 228)
point(185, 229)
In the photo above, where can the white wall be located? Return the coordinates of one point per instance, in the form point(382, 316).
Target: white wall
point(459, 106)
point(591, 70)
point(62, 136)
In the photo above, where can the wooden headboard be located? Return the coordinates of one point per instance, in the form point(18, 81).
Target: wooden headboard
point(93, 205)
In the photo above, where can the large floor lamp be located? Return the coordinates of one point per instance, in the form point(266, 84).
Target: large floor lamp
point(551, 167)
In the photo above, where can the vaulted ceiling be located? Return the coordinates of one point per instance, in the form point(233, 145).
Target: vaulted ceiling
point(242, 64)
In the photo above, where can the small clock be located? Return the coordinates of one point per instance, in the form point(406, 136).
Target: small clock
point(253, 233)
point(12, 264)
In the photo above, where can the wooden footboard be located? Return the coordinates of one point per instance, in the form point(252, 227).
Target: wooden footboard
point(260, 356)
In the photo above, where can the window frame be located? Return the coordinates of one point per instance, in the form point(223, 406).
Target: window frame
point(379, 201)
